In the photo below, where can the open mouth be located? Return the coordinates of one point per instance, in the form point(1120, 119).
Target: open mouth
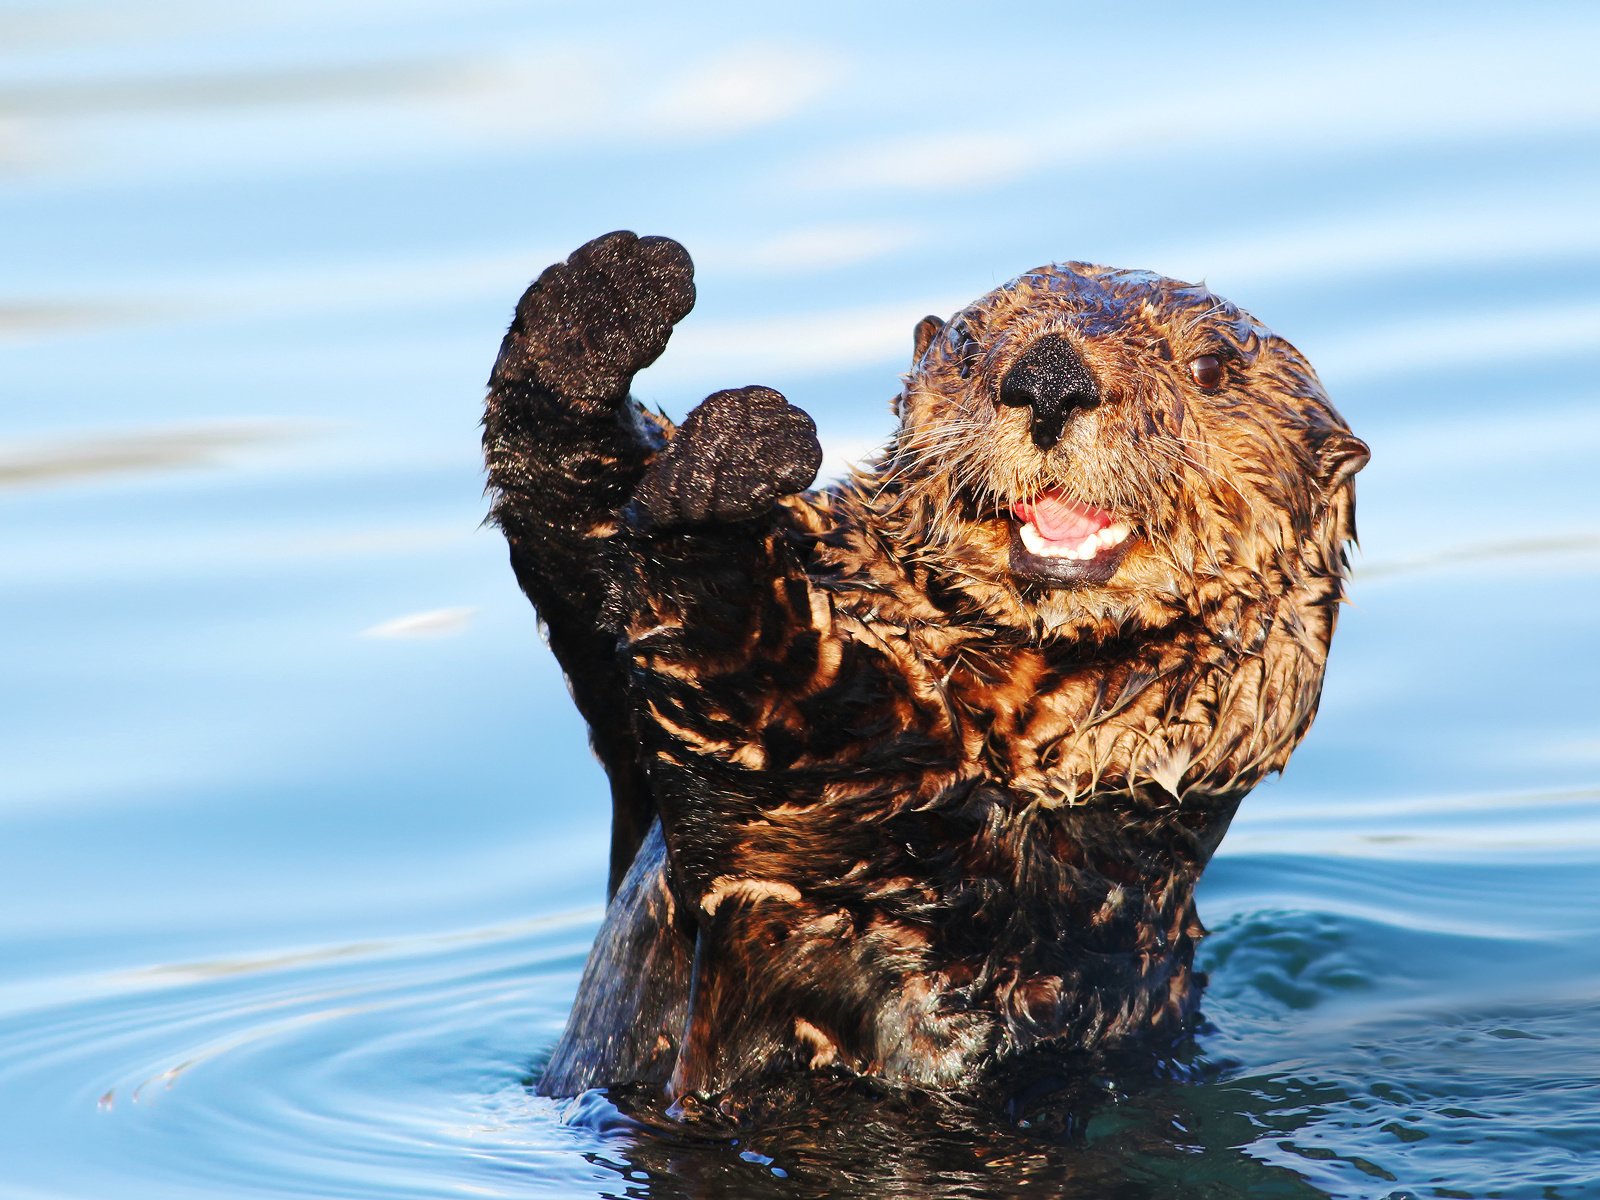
point(1060, 541)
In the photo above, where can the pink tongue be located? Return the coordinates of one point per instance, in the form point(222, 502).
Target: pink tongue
point(1059, 520)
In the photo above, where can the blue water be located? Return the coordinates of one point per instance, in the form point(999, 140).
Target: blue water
point(300, 843)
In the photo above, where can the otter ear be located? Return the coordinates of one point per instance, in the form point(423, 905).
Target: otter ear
point(1339, 456)
point(927, 329)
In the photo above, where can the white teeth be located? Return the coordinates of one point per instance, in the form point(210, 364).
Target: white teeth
point(1082, 551)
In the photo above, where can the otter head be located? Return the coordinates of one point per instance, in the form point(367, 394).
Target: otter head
point(1091, 452)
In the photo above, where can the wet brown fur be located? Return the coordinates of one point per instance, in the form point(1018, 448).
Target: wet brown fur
point(889, 808)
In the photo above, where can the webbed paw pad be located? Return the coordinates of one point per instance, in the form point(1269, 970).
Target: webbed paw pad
point(587, 325)
point(732, 458)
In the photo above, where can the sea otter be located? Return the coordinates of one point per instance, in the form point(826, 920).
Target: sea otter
point(913, 776)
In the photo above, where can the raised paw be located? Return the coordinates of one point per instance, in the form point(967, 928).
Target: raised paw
point(587, 325)
point(732, 458)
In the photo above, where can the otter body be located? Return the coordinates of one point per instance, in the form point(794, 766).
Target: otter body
point(913, 777)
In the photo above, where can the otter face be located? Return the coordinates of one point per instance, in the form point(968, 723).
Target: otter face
point(1087, 449)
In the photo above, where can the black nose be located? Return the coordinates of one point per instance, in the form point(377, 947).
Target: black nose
point(1053, 381)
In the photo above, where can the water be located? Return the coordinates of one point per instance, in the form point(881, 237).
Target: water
point(300, 842)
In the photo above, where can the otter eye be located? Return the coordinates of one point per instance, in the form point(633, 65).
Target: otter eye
point(1207, 371)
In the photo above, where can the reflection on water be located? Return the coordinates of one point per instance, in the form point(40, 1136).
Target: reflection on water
point(302, 842)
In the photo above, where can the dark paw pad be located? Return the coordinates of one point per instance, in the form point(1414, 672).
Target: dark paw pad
point(732, 458)
point(586, 326)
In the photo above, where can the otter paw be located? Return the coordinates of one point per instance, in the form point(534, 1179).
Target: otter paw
point(586, 326)
point(732, 458)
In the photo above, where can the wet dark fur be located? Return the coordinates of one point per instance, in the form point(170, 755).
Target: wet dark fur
point(882, 805)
